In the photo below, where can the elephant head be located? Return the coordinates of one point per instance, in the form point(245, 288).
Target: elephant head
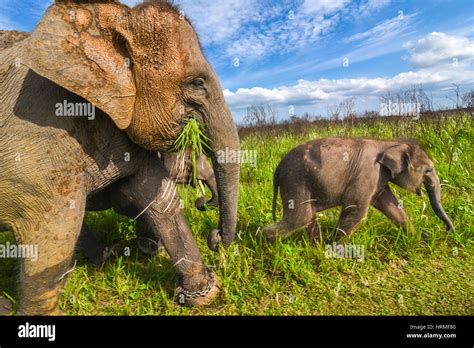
point(409, 167)
point(145, 69)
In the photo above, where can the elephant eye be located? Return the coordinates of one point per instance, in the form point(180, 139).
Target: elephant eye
point(198, 83)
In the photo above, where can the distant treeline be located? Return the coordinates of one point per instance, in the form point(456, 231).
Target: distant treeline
point(407, 104)
point(303, 124)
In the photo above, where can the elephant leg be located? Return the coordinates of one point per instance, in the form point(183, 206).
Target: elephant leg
point(54, 236)
point(178, 240)
point(147, 241)
point(298, 212)
point(155, 197)
point(313, 231)
point(388, 204)
point(350, 217)
point(91, 247)
point(6, 306)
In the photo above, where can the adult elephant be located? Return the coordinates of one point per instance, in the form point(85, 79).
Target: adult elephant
point(144, 71)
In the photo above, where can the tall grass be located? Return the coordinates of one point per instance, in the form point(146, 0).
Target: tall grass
point(191, 143)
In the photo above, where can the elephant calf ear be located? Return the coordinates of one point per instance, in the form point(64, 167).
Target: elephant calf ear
point(71, 48)
point(395, 159)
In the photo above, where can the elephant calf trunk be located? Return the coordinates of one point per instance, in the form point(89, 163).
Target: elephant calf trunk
point(435, 201)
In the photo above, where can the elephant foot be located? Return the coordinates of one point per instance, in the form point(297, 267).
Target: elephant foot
point(55, 312)
point(149, 246)
point(280, 230)
point(6, 306)
point(271, 233)
point(91, 247)
point(201, 297)
point(43, 304)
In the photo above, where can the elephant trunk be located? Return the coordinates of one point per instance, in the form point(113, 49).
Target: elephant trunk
point(433, 188)
point(225, 156)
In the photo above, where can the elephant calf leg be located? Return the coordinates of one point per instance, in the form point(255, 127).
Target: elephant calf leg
point(280, 229)
point(301, 216)
point(388, 204)
point(298, 210)
point(350, 217)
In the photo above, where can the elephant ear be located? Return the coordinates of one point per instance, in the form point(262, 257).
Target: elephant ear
point(77, 47)
point(395, 159)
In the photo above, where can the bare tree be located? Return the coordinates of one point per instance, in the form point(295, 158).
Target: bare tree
point(261, 115)
point(305, 118)
point(457, 93)
point(342, 110)
point(334, 111)
point(412, 98)
point(348, 109)
point(467, 100)
point(370, 114)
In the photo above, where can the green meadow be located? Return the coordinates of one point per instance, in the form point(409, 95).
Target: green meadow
point(429, 272)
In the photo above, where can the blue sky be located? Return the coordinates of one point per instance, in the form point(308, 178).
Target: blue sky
point(292, 53)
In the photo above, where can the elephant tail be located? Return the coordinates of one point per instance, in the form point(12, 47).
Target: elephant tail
point(275, 193)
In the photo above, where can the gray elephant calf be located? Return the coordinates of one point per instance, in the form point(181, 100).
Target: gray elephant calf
point(354, 174)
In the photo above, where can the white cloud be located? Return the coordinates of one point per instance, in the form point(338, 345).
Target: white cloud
point(370, 6)
point(323, 7)
point(436, 75)
point(386, 30)
point(282, 29)
point(279, 35)
point(218, 21)
point(440, 48)
point(310, 92)
point(250, 29)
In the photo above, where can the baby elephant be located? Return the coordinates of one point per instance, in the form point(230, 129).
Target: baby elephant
point(353, 173)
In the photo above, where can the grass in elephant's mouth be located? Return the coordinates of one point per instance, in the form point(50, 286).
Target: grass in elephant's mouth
point(402, 274)
point(192, 142)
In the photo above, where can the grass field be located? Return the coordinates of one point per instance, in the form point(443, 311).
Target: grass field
point(427, 273)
